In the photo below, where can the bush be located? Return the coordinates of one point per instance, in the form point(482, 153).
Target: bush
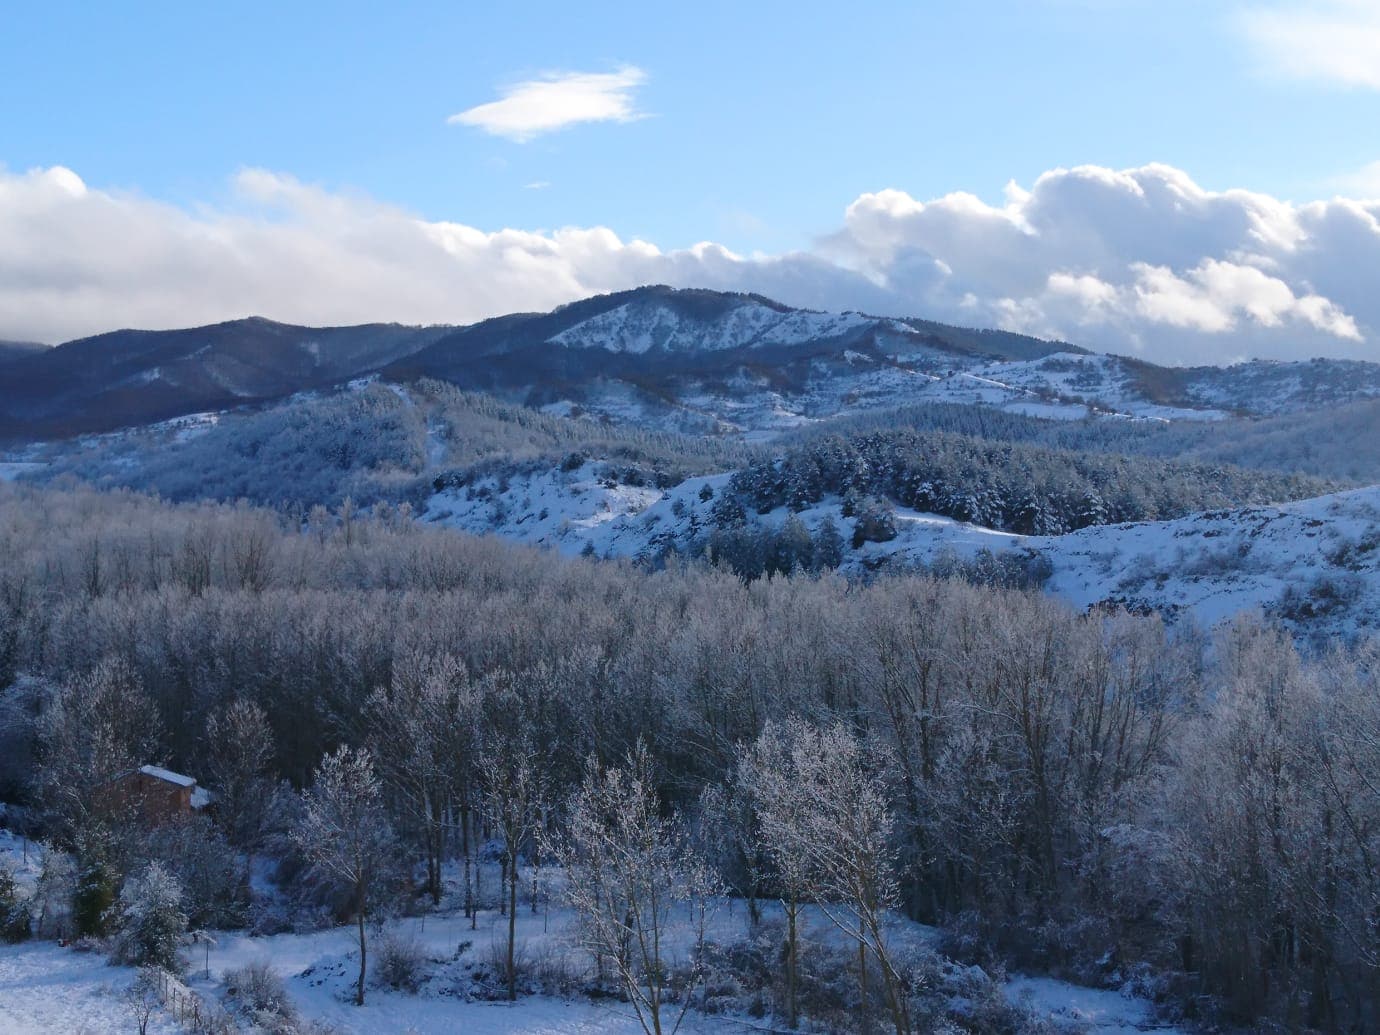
point(399, 963)
point(876, 522)
point(261, 996)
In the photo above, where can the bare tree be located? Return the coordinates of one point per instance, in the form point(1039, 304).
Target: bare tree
point(423, 730)
point(627, 870)
point(826, 820)
point(512, 802)
point(346, 835)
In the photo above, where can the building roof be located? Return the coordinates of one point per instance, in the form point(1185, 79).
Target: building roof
point(168, 775)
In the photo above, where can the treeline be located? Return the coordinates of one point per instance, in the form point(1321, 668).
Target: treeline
point(379, 443)
point(1012, 486)
point(1088, 793)
point(1335, 442)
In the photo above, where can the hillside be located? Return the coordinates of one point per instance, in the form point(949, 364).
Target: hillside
point(693, 361)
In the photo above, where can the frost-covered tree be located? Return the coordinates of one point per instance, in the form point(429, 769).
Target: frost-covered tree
point(346, 835)
point(240, 749)
point(628, 871)
point(512, 802)
point(152, 920)
point(424, 730)
point(827, 821)
point(93, 728)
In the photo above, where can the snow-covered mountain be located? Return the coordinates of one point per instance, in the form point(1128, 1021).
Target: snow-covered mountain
point(685, 360)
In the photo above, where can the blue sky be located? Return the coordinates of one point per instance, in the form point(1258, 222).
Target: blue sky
point(753, 125)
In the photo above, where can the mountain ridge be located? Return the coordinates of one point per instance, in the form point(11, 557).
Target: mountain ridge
point(691, 360)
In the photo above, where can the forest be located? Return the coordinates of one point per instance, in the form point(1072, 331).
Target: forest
point(1078, 793)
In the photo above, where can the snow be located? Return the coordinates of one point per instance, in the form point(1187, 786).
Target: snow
point(1097, 1011)
point(1213, 565)
point(49, 990)
point(638, 327)
point(167, 774)
point(45, 988)
point(546, 507)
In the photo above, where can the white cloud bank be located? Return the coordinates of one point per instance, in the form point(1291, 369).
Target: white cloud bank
point(529, 109)
point(1141, 261)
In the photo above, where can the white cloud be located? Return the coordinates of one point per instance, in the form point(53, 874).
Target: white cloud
point(1334, 41)
point(537, 185)
point(556, 100)
point(1363, 183)
point(1138, 260)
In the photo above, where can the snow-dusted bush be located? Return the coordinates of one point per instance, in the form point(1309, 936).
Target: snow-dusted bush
point(152, 920)
point(143, 998)
point(260, 995)
point(399, 962)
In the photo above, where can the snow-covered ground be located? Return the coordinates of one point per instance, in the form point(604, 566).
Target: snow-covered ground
point(46, 989)
point(1097, 1011)
point(546, 507)
point(1316, 559)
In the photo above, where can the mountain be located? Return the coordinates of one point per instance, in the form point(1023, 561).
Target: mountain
point(684, 360)
point(13, 350)
point(133, 377)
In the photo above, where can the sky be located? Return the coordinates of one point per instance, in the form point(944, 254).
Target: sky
point(1187, 182)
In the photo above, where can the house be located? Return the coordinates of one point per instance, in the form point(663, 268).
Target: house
point(156, 794)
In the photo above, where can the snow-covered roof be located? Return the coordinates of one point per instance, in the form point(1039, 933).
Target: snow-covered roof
point(201, 797)
point(168, 775)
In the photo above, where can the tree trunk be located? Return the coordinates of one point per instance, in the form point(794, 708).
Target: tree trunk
point(363, 958)
point(791, 963)
point(862, 987)
point(512, 924)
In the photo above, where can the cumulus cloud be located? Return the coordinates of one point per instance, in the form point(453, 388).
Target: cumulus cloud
point(1142, 261)
point(1334, 41)
point(556, 100)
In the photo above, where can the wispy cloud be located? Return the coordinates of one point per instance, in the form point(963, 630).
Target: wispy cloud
point(537, 185)
point(1363, 183)
point(1332, 41)
point(556, 100)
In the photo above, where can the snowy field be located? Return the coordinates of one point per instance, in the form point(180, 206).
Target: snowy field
point(46, 989)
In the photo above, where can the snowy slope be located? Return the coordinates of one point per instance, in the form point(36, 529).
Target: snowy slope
point(639, 326)
point(1103, 383)
point(1314, 563)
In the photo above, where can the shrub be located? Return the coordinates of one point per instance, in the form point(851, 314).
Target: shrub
point(259, 994)
point(399, 963)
